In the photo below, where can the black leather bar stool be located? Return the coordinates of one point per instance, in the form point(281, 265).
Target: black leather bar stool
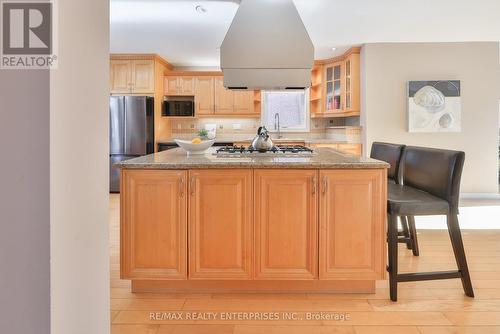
point(390, 153)
point(431, 186)
point(393, 155)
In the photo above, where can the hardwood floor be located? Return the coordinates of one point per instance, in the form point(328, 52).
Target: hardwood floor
point(423, 307)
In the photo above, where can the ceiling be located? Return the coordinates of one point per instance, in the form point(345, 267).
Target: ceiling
point(187, 38)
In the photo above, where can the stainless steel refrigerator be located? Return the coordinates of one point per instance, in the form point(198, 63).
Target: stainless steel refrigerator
point(131, 132)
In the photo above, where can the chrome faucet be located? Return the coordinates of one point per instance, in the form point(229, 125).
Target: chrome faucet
point(277, 124)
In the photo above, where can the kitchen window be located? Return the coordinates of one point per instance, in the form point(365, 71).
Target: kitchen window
point(292, 108)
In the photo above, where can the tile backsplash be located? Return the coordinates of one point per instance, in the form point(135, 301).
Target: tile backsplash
point(239, 128)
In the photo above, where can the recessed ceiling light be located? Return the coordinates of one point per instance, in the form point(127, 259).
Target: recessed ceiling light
point(333, 49)
point(200, 9)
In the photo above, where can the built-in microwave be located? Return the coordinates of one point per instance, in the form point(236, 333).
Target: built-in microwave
point(178, 106)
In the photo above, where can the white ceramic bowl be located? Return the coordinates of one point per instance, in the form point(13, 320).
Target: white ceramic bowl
point(191, 148)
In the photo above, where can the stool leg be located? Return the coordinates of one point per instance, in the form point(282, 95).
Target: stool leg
point(406, 231)
point(393, 256)
point(458, 249)
point(413, 235)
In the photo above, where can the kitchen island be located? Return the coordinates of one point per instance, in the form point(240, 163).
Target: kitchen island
point(260, 222)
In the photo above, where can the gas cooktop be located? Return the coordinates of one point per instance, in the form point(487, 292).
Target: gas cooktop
point(278, 150)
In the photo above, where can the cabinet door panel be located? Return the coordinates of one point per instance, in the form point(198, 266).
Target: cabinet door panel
point(204, 95)
point(120, 76)
point(186, 85)
point(224, 98)
point(352, 224)
point(220, 224)
point(243, 102)
point(153, 224)
point(286, 224)
point(143, 76)
point(352, 82)
point(334, 87)
point(171, 86)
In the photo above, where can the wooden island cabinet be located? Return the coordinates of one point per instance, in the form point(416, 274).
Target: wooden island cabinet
point(154, 224)
point(286, 224)
point(246, 228)
point(220, 224)
point(352, 212)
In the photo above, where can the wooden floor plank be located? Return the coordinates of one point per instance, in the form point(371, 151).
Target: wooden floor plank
point(134, 329)
point(196, 329)
point(465, 318)
point(294, 330)
point(277, 304)
point(459, 330)
point(437, 305)
point(400, 318)
point(386, 330)
point(155, 304)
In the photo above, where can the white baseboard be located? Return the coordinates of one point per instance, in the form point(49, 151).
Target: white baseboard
point(480, 196)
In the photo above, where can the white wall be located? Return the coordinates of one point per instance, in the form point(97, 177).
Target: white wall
point(386, 69)
point(79, 170)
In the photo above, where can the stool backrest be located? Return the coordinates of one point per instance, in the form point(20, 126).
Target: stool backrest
point(435, 171)
point(390, 153)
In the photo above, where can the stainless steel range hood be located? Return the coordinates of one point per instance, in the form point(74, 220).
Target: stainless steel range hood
point(267, 47)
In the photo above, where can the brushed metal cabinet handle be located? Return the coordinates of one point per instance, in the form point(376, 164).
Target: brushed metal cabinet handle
point(181, 186)
point(192, 185)
point(325, 184)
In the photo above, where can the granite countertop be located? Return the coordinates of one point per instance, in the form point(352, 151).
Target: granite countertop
point(178, 159)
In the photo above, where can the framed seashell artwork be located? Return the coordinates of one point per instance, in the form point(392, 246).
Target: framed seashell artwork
point(434, 106)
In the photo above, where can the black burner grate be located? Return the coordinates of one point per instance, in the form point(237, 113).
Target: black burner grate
point(276, 149)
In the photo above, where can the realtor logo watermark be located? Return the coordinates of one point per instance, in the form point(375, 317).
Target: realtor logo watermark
point(28, 35)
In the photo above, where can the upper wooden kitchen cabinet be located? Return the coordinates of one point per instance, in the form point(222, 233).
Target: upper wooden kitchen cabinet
point(171, 85)
point(204, 95)
point(334, 88)
point(153, 224)
point(286, 224)
point(244, 102)
point(143, 76)
point(211, 97)
point(352, 224)
point(120, 76)
point(339, 78)
point(352, 83)
point(220, 224)
point(224, 98)
point(232, 103)
point(132, 76)
point(179, 85)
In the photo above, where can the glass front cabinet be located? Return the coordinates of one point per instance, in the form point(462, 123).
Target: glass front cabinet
point(352, 83)
point(334, 100)
point(342, 81)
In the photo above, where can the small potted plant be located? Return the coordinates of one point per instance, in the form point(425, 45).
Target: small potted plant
point(203, 134)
